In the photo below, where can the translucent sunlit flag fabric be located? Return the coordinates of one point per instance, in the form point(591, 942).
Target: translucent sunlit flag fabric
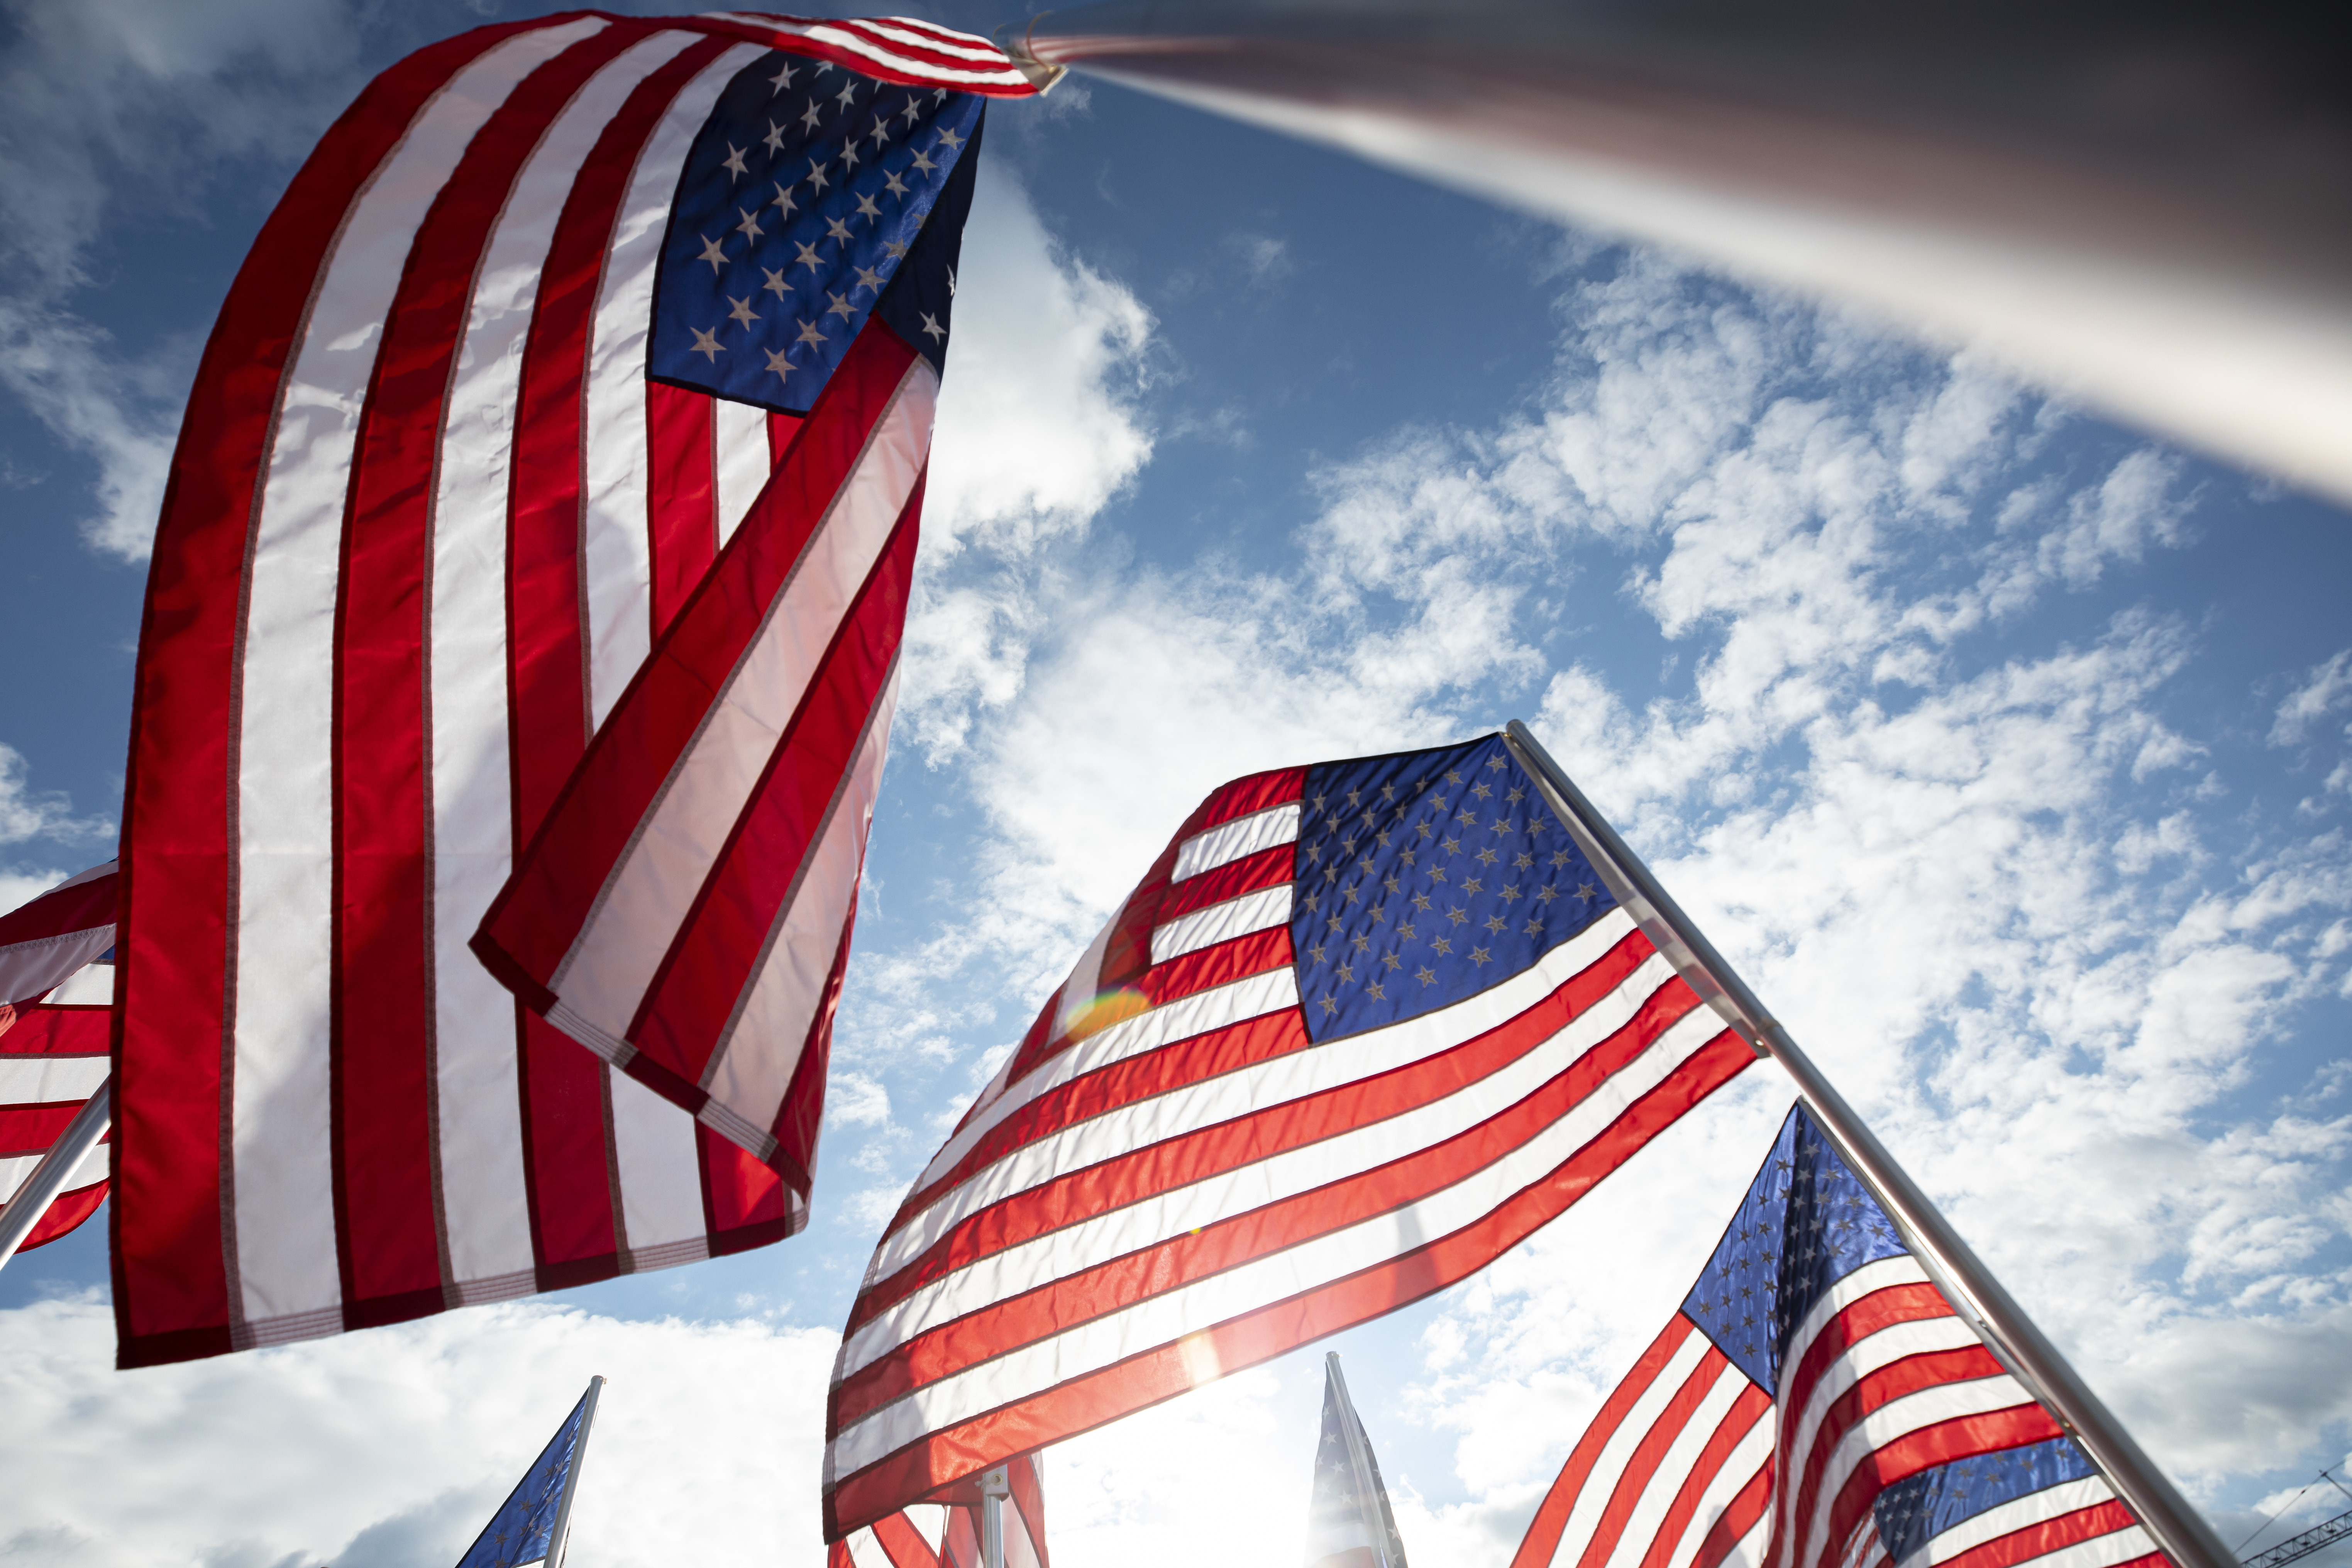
point(1362, 1026)
point(927, 1535)
point(1817, 1403)
point(582, 356)
point(57, 1008)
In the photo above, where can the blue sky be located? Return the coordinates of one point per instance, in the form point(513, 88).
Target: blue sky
point(2003, 749)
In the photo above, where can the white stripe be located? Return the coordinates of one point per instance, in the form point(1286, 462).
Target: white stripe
point(1194, 1014)
point(1747, 1457)
point(603, 978)
point(92, 985)
point(51, 1079)
point(917, 34)
point(1649, 1513)
point(1943, 1402)
point(1267, 1083)
point(1164, 1318)
point(2099, 1551)
point(29, 967)
point(1609, 1465)
point(1750, 1553)
point(866, 1549)
point(484, 1202)
point(1113, 1232)
point(1078, 992)
point(1221, 922)
point(2050, 1502)
point(788, 984)
point(660, 1172)
point(15, 1170)
point(280, 1104)
point(617, 569)
point(852, 43)
point(1229, 841)
point(742, 433)
point(930, 1522)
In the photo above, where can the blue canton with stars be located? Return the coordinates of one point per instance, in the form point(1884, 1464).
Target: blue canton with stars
point(1917, 1509)
point(1806, 1223)
point(523, 1528)
point(804, 208)
point(1424, 878)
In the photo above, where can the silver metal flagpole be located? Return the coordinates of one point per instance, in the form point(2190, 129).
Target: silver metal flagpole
point(1367, 1494)
point(995, 1485)
point(559, 1539)
point(2178, 1528)
point(56, 1169)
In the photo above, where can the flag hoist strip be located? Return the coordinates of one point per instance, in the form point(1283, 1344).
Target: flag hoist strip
point(56, 1002)
point(1817, 1403)
point(586, 356)
point(1362, 1027)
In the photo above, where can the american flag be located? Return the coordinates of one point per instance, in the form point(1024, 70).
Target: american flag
point(1818, 1404)
point(57, 999)
point(1349, 1523)
point(1362, 1027)
point(926, 1535)
point(531, 400)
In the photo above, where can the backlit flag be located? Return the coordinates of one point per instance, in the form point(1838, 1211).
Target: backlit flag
point(585, 356)
point(1362, 1027)
point(1349, 1522)
point(928, 1536)
point(531, 1524)
point(1817, 1403)
point(56, 1003)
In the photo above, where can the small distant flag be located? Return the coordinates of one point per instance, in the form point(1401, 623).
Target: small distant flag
point(534, 1524)
point(56, 1001)
point(1818, 1404)
point(1349, 1522)
point(1363, 1027)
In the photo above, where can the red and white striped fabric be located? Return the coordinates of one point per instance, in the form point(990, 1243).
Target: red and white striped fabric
point(1362, 1027)
point(427, 521)
point(57, 1010)
point(1817, 1403)
point(927, 1535)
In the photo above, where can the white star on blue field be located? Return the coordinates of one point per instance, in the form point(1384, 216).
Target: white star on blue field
point(2006, 750)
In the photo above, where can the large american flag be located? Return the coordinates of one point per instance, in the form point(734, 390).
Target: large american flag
point(1361, 1027)
point(530, 401)
point(1818, 1404)
point(56, 1001)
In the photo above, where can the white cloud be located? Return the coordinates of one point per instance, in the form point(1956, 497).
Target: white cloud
point(395, 1445)
point(26, 813)
point(2327, 688)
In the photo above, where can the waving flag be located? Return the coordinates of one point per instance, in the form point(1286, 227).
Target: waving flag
point(1362, 1027)
point(1817, 1403)
point(533, 1524)
point(1349, 1522)
point(929, 1536)
point(56, 1002)
point(545, 385)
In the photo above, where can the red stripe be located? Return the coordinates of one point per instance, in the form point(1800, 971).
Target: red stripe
point(64, 1215)
point(82, 907)
point(681, 495)
point(2040, 1539)
point(1542, 1540)
point(1250, 874)
point(801, 1115)
point(903, 1543)
point(1912, 1302)
point(169, 1274)
point(1029, 1504)
point(1908, 1375)
point(710, 962)
point(1939, 1443)
point(1737, 1520)
point(743, 1202)
point(1081, 1404)
point(538, 913)
point(42, 1031)
point(776, 39)
point(32, 1128)
point(781, 428)
point(1642, 1465)
point(567, 1175)
point(381, 982)
point(1191, 1157)
point(960, 1543)
point(1737, 1423)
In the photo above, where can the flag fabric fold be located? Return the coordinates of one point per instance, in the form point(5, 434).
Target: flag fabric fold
point(56, 1007)
point(527, 394)
point(1362, 1027)
point(1818, 1404)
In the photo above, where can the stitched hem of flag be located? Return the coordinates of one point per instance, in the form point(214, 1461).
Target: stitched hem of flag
point(611, 1048)
point(669, 1255)
point(252, 1333)
point(733, 1126)
point(493, 1288)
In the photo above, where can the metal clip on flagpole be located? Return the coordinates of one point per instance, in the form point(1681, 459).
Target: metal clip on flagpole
point(57, 1168)
point(2178, 1528)
point(559, 1538)
point(995, 1485)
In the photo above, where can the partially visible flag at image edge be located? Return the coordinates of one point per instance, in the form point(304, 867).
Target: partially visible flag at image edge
point(56, 1007)
point(1362, 1027)
point(1818, 1404)
point(573, 340)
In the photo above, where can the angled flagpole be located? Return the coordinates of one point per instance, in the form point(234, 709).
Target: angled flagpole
point(55, 1170)
point(2178, 1528)
point(559, 1537)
